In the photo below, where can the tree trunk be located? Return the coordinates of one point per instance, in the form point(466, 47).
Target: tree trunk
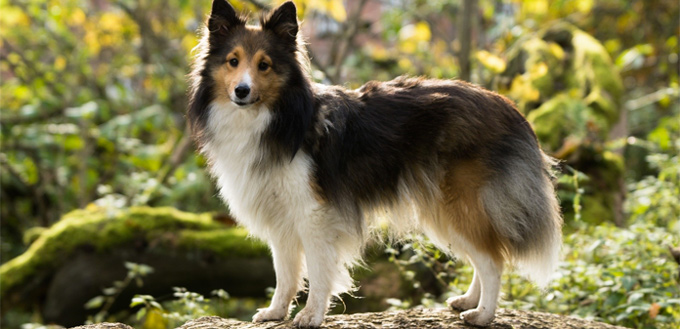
point(465, 37)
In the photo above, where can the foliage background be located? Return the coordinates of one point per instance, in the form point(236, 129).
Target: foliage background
point(93, 96)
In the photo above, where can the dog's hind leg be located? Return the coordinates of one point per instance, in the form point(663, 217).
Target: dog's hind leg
point(470, 299)
point(288, 266)
point(463, 227)
point(488, 271)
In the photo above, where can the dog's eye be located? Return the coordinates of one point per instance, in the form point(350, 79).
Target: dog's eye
point(263, 66)
point(233, 62)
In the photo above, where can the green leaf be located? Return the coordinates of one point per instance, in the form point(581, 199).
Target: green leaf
point(95, 302)
point(137, 300)
point(141, 313)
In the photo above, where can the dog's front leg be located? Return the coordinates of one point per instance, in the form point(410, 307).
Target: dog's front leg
point(288, 266)
point(322, 266)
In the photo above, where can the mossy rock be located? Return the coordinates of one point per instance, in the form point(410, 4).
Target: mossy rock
point(92, 245)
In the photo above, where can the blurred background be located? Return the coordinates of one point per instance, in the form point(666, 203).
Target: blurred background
point(107, 213)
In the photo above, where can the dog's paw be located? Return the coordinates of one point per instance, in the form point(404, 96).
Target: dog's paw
point(269, 314)
point(462, 303)
point(478, 317)
point(308, 318)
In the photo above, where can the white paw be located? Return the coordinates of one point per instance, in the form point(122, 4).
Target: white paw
point(270, 314)
point(308, 318)
point(462, 303)
point(478, 317)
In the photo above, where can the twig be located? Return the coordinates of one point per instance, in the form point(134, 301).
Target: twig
point(320, 66)
point(179, 153)
point(350, 31)
point(638, 103)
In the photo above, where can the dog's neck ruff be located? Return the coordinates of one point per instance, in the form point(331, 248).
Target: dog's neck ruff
point(249, 182)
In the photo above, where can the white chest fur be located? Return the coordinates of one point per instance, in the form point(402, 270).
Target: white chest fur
point(267, 199)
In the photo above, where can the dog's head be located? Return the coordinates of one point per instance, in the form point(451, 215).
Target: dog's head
point(251, 64)
point(253, 68)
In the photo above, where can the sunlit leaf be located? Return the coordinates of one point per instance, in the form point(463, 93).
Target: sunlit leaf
point(95, 303)
point(491, 61)
point(411, 36)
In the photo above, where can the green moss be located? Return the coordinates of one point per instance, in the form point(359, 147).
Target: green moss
point(105, 231)
point(32, 234)
point(226, 242)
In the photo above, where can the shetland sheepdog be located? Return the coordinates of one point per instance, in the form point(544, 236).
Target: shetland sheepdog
point(308, 167)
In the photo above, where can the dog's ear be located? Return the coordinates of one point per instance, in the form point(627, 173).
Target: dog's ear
point(283, 21)
point(223, 17)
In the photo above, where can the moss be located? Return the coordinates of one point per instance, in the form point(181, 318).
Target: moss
point(226, 242)
point(104, 231)
point(32, 234)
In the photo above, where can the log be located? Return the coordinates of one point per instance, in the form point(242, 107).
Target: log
point(414, 318)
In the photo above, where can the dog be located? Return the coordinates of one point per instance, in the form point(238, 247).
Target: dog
point(308, 167)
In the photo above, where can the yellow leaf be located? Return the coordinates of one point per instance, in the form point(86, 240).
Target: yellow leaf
point(337, 10)
point(333, 8)
point(92, 41)
point(556, 50)
point(189, 42)
point(522, 89)
point(404, 63)
point(91, 207)
point(77, 17)
point(491, 61)
point(534, 8)
point(378, 52)
point(415, 32)
point(538, 70)
point(411, 35)
point(13, 16)
point(155, 320)
point(584, 6)
point(109, 22)
point(59, 63)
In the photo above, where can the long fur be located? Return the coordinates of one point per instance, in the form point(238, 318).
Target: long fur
point(308, 168)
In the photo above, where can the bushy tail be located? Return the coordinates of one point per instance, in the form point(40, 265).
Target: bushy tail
point(540, 261)
point(524, 209)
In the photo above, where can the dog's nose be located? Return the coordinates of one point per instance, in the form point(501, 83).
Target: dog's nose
point(242, 91)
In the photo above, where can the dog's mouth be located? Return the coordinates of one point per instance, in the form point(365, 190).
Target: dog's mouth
point(244, 104)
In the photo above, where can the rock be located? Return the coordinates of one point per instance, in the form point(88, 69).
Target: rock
point(413, 318)
point(105, 325)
